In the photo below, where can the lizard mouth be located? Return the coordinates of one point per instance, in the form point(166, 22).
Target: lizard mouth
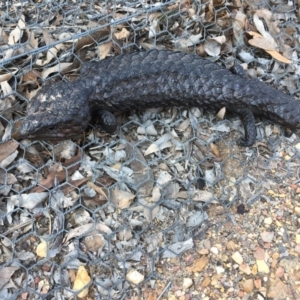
point(22, 130)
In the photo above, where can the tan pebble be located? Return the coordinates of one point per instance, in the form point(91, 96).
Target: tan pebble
point(205, 282)
point(297, 238)
point(237, 257)
point(259, 253)
point(224, 257)
point(245, 268)
point(134, 276)
point(187, 282)
point(262, 266)
point(267, 236)
point(220, 270)
point(298, 190)
point(214, 250)
point(297, 210)
point(268, 221)
point(241, 294)
point(257, 283)
point(297, 248)
point(248, 286)
point(271, 193)
point(279, 271)
point(231, 245)
point(275, 255)
point(203, 251)
point(254, 270)
point(214, 282)
point(274, 262)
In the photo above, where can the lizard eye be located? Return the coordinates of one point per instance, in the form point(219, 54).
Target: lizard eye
point(51, 128)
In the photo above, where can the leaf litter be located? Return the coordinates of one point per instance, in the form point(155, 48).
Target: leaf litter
point(167, 190)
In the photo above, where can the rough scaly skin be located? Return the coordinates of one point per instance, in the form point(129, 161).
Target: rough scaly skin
point(153, 78)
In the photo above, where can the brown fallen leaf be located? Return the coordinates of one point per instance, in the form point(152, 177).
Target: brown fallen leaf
point(8, 76)
point(104, 49)
point(60, 176)
point(258, 41)
point(7, 148)
point(279, 57)
point(121, 199)
point(105, 180)
point(262, 43)
point(123, 34)
point(214, 149)
point(90, 39)
point(66, 189)
point(98, 189)
point(31, 76)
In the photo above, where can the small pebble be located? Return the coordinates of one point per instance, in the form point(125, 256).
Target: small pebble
point(248, 286)
point(214, 250)
point(187, 282)
point(268, 221)
point(237, 257)
point(262, 266)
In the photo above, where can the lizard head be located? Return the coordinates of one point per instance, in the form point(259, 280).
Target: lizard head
point(57, 111)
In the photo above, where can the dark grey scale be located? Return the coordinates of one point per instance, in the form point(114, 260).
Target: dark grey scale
point(238, 70)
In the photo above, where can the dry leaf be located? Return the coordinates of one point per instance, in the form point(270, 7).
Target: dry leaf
point(279, 57)
point(28, 201)
point(123, 34)
point(261, 43)
point(8, 148)
point(5, 275)
point(121, 199)
point(86, 229)
point(238, 27)
point(59, 175)
point(98, 189)
point(261, 29)
point(52, 53)
point(6, 88)
point(162, 143)
point(7, 76)
point(82, 279)
point(275, 54)
point(214, 150)
point(17, 33)
point(104, 49)
point(55, 69)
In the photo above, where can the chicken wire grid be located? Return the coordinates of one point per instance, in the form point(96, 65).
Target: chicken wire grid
point(154, 211)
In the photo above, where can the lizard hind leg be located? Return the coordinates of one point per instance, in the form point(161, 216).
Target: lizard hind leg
point(248, 121)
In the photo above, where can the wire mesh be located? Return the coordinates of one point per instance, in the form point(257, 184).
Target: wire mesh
point(106, 216)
